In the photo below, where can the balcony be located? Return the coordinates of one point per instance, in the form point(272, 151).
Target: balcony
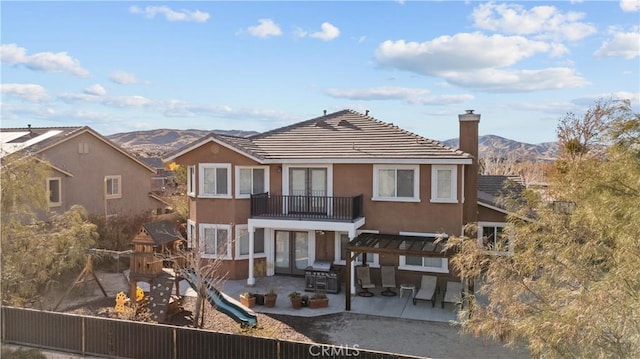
point(306, 208)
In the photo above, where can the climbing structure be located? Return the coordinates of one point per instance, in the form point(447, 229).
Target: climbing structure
point(153, 245)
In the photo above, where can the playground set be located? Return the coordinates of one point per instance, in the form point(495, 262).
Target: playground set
point(156, 260)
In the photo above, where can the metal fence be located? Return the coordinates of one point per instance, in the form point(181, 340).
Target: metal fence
point(112, 338)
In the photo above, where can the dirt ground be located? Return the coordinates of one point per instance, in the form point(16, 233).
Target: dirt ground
point(414, 337)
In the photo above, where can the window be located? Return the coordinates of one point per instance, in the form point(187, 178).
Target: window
point(494, 237)
point(242, 242)
point(214, 241)
point(342, 238)
point(396, 183)
point(215, 180)
point(191, 234)
point(54, 186)
point(424, 264)
point(251, 180)
point(191, 181)
point(444, 183)
point(112, 186)
point(83, 148)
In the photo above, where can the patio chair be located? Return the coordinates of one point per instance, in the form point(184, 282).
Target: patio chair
point(364, 281)
point(453, 294)
point(388, 275)
point(427, 291)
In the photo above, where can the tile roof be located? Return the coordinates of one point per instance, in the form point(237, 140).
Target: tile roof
point(346, 136)
point(492, 188)
point(38, 139)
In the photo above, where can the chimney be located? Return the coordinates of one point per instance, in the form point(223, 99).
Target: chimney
point(366, 113)
point(469, 143)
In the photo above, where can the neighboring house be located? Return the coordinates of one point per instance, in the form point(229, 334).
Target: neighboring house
point(280, 201)
point(492, 211)
point(86, 169)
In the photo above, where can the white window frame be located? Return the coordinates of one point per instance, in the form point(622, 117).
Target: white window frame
point(59, 202)
point(201, 168)
point(237, 180)
point(201, 237)
point(416, 183)
point(444, 267)
point(505, 230)
point(338, 248)
point(192, 234)
point(106, 187)
point(240, 227)
point(191, 181)
point(453, 196)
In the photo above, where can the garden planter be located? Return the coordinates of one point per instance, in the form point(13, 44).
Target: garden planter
point(270, 300)
point(259, 299)
point(296, 303)
point(248, 302)
point(319, 303)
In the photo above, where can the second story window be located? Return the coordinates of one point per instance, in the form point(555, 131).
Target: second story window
point(54, 187)
point(113, 186)
point(215, 180)
point(191, 181)
point(251, 180)
point(396, 183)
point(444, 183)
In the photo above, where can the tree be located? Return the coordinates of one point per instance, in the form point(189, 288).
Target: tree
point(36, 252)
point(572, 286)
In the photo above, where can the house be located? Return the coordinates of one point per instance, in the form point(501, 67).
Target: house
point(86, 169)
point(492, 212)
point(281, 201)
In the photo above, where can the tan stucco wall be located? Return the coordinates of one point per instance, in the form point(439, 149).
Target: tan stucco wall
point(489, 215)
point(348, 180)
point(86, 186)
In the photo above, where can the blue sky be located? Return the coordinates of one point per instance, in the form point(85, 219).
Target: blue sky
point(124, 66)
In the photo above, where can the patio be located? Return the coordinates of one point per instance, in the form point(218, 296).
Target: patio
point(396, 306)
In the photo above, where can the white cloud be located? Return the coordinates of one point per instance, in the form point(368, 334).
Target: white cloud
point(169, 14)
point(411, 95)
point(328, 32)
point(95, 90)
point(542, 21)
point(111, 101)
point(461, 52)
point(589, 100)
point(26, 92)
point(125, 78)
point(495, 80)
point(265, 28)
point(11, 54)
point(622, 44)
point(630, 5)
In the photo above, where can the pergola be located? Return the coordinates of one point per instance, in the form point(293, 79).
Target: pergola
point(395, 244)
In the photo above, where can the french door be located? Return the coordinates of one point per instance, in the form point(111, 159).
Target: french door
point(292, 252)
point(308, 190)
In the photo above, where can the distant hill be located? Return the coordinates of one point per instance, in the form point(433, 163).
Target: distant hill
point(492, 146)
point(150, 146)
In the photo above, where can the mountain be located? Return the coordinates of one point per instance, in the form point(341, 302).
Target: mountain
point(492, 146)
point(150, 146)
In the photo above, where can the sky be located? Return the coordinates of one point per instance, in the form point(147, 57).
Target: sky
point(120, 66)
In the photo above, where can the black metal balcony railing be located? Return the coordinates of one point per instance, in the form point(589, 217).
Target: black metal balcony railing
point(265, 205)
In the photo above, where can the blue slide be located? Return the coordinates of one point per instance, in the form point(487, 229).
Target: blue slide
point(222, 302)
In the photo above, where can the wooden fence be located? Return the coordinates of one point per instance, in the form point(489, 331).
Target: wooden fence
point(113, 338)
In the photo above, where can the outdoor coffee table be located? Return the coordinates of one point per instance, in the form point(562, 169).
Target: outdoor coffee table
point(410, 287)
